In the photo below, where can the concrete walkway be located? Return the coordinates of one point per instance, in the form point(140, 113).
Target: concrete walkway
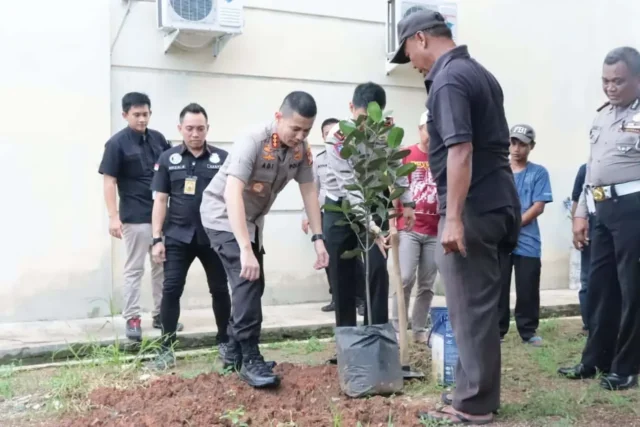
point(44, 339)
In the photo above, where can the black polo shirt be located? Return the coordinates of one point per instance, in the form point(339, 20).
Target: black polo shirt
point(174, 167)
point(465, 104)
point(130, 156)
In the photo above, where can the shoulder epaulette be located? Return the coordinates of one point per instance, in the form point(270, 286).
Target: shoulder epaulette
point(603, 106)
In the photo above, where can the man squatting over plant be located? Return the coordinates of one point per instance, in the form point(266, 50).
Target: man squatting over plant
point(341, 238)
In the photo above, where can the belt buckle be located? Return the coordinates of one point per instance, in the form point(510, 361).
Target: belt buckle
point(598, 194)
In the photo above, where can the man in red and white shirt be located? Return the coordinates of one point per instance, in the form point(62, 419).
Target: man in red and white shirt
point(417, 246)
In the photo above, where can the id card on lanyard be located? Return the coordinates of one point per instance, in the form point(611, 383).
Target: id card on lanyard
point(190, 181)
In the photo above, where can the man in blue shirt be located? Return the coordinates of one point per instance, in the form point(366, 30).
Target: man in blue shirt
point(534, 191)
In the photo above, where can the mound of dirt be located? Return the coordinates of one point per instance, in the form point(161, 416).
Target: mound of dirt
point(307, 396)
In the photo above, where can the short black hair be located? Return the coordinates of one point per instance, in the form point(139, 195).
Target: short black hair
point(329, 121)
point(135, 99)
point(193, 108)
point(301, 103)
point(440, 31)
point(366, 93)
point(626, 54)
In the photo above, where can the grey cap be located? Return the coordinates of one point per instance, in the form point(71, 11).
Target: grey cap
point(410, 25)
point(524, 133)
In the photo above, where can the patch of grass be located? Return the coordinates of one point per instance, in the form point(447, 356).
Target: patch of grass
point(7, 373)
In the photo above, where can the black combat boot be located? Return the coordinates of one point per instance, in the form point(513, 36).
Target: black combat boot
point(255, 371)
point(232, 356)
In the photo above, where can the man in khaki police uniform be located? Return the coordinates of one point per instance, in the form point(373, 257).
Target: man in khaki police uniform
point(612, 191)
point(234, 205)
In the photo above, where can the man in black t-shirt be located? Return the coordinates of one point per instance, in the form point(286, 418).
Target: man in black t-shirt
point(479, 205)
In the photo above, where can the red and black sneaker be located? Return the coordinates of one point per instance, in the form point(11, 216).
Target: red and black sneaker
point(133, 330)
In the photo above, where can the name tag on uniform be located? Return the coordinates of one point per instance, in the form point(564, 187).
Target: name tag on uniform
point(190, 185)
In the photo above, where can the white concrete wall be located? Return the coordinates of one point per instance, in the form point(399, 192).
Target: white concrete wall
point(287, 45)
point(61, 102)
point(55, 259)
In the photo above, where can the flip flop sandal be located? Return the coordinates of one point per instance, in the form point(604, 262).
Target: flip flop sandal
point(452, 418)
point(447, 399)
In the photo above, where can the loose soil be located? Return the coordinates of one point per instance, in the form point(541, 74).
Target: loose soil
point(307, 396)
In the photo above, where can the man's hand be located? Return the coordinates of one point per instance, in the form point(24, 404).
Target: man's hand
point(322, 257)
point(115, 226)
point(409, 218)
point(158, 253)
point(453, 236)
point(580, 233)
point(250, 267)
point(305, 226)
point(383, 244)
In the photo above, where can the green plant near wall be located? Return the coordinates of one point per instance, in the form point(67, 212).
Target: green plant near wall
point(372, 145)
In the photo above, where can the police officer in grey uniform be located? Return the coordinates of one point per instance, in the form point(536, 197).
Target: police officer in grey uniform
point(320, 177)
point(340, 238)
point(612, 191)
point(234, 204)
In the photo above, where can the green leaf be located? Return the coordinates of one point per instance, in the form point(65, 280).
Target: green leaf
point(397, 192)
point(332, 208)
point(405, 170)
point(394, 139)
point(377, 163)
point(346, 152)
point(355, 228)
point(342, 222)
point(347, 127)
point(374, 112)
point(351, 254)
point(399, 155)
point(352, 187)
point(346, 205)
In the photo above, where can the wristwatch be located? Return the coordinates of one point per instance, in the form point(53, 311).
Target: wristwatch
point(317, 237)
point(411, 205)
point(156, 240)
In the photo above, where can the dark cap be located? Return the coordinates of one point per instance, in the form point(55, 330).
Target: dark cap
point(523, 133)
point(410, 25)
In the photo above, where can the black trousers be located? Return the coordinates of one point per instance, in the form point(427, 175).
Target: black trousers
point(614, 288)
point(345, 275)
point(246, 296)
point(179, 257)
point(527, 312)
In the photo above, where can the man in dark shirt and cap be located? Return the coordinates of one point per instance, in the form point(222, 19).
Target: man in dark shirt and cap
point(479, 206)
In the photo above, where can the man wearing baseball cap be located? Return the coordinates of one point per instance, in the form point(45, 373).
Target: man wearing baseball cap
point(417, 246)
point(478, 205)
point(534, 190)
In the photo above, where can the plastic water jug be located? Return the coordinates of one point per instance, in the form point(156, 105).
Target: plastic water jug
point(444, 351)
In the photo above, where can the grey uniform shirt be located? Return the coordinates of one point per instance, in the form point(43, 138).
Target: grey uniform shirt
point(615, 155)
point(340, 173)
point(320, 178)
point(265, 165)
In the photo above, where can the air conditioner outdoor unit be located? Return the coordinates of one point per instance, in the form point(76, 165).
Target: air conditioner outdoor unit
point(398, 9)
point(194, 24)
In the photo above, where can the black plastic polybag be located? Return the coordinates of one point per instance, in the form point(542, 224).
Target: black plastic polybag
point(368, 360)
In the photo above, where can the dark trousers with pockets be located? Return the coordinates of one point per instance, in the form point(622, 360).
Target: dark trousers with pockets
point(472, 289)
point(613, 298)
point(346, 276)
point(585, 269)
point(245, 324)
point(527, 312)
point(179, 257)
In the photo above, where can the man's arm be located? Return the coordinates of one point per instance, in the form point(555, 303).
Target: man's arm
point(159, 213)
point(161, 186)
point(458, 178)
point(316, 180)
point(110, 185)
point(541, 195)
point(582, 210)
point(311, 206)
